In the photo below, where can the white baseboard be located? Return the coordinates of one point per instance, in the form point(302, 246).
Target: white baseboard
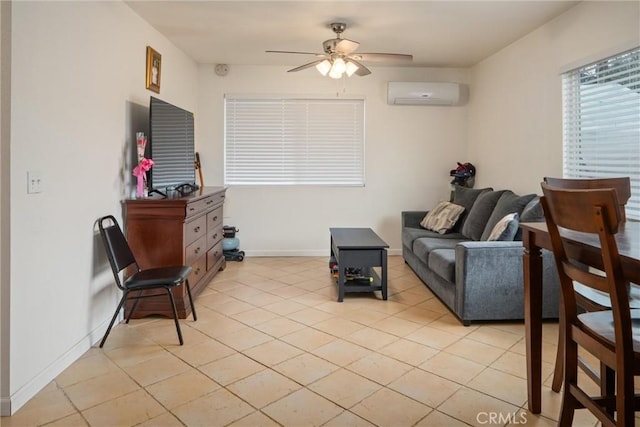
point(288, 253)
point(303, 253)
point(11, 405)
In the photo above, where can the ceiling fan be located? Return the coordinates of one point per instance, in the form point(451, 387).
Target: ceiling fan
point(339, 58)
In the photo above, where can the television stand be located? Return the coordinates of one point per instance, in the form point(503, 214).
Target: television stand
point(177, 230)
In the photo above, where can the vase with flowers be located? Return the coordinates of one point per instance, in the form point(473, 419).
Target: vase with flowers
point(144, 165)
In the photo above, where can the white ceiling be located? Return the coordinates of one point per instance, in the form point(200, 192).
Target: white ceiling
point(436, 33)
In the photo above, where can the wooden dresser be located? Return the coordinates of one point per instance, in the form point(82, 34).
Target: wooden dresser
point(181, 230)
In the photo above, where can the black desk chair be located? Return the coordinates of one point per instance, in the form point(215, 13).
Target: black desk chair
point(609, 335)
point(121, 257)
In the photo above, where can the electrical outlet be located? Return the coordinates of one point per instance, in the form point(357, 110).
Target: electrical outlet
point(34, 182)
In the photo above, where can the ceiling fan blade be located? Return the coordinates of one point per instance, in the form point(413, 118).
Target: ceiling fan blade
point(297, 53)
point(362, 70)
point(382, 57)
point(305, 66)
point(345, 46)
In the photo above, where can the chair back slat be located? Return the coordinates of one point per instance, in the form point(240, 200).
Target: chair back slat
point(622, 185)
point(578, 274)
point(118, 250)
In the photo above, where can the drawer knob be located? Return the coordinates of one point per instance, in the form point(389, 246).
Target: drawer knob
point(215, 218)
point(209, 202)
point(192, 209)
point(196, 229)
point(197, 271)
point(215, 235)
point(197, 251)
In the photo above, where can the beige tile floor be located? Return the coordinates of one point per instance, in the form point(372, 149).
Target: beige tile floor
point(273, 347)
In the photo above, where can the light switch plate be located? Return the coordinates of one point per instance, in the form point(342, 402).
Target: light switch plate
point(34, 182)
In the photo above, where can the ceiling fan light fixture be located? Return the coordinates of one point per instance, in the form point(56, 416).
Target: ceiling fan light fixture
point(338, 68)
point(324, 67)
point(351, 68)
point(339, 58)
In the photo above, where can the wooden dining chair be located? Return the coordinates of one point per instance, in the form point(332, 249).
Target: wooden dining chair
point(587, 298)
point(622, 185)
point(608, 334)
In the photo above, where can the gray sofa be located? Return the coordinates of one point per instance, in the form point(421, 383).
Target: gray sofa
point(478, 280)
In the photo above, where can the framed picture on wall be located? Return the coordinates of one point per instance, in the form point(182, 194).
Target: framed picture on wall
point(154, 63)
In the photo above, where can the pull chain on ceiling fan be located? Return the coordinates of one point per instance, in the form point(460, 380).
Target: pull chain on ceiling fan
point(339, 58)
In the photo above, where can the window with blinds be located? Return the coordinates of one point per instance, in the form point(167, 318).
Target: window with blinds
point(601, 129)
point(294, 141)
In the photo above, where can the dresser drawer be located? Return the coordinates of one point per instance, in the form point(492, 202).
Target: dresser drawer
point(199, 269)
point(213, 255)
point(214, 236)
point(215, 200)
point(195, 229)
point(214, 218)
point(195, 250)
point(198, 206)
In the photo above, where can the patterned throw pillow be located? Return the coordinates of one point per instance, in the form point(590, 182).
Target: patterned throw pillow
point(505, 229)
point(442, 218)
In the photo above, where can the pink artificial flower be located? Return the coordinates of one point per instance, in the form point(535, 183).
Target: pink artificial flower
point(141, 141)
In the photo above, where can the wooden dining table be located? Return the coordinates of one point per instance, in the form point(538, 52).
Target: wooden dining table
point(586, 248)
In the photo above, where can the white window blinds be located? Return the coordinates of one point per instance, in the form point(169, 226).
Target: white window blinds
point(294, 141)
point(601, 112)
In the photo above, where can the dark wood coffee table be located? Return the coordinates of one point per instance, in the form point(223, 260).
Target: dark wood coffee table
point(359, 248)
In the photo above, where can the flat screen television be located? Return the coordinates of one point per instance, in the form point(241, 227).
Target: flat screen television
point(171, 147)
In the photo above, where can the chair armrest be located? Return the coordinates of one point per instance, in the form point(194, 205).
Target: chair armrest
point(412, 218)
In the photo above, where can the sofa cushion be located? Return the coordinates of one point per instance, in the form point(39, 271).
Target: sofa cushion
point(479, 215)
point(507, 204)
point(423, 246)
point(443, 263)
point(505, 229)
point(466, 197)
point(409, 235)
point(442, 217)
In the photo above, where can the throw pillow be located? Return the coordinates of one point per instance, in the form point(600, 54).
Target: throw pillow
point(505, 229)
point(442, 218)
point(531, 213)
point(466, 197)
point(479, 214)
point(508, 203)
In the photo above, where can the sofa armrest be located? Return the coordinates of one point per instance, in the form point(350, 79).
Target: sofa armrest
point(412, 218)
point(489, 280)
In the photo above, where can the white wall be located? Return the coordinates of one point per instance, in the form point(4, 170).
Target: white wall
point(5, 117)
point(515, 116)
point(409, 153)
point(78, 97)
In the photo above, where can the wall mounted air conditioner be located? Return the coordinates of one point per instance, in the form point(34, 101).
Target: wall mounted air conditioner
point(423, 93)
